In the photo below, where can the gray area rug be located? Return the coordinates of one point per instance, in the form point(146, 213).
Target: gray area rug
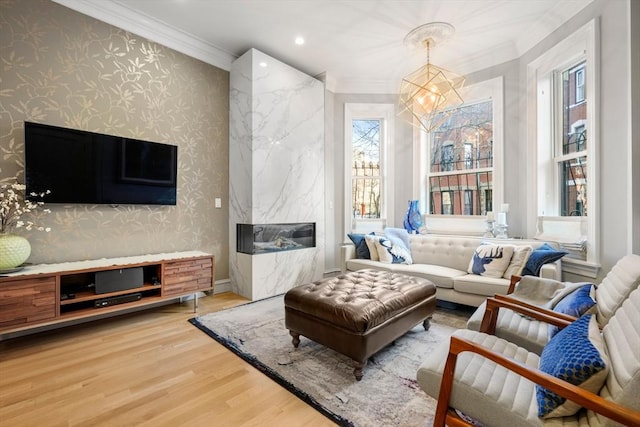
point(387, 395)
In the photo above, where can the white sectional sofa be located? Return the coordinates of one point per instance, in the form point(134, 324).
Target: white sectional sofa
point(445, 260)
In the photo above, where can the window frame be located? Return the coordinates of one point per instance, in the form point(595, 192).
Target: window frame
point(492, 89)
point(542, 133)
point(579, 88)
point(386, 114)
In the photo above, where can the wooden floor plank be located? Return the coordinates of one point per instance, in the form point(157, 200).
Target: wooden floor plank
point(151, 368)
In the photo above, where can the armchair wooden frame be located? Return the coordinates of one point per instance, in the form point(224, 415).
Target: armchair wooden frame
point(446, 415)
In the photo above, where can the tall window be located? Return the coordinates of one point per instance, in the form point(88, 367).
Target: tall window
point(571, 153)
point(366, 181)
point(368, 132)
point(460, 172)
point(563, 111)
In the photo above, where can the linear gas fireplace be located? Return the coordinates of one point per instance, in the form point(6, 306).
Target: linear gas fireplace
point(254, 239)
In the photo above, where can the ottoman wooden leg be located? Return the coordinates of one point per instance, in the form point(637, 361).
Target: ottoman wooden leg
point(296, 338)
point(357, 371)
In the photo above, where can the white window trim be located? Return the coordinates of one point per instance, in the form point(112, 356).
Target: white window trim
point(466, 224)
point(584, 41)
point(385, 112)
point(581, 100)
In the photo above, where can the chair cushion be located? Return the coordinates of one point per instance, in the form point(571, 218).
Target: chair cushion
point(575, 354)
point(575, 304)
point(543, 255)
point(483, 390)
point(616, 286)
point(513, 327)
point(622, 339)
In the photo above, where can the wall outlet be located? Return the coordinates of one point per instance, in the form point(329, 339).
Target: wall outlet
point(218, 202)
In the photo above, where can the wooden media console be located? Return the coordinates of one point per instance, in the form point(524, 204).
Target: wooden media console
point(47, 295)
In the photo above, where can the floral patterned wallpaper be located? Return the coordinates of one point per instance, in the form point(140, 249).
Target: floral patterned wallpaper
point(62, 68)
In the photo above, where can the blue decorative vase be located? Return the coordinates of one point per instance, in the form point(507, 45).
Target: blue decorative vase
point(413, 218)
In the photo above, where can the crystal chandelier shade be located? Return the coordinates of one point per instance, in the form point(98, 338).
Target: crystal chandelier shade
point(430, 93)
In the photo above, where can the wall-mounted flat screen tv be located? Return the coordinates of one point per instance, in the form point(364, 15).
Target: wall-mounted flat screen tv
point(86, 167)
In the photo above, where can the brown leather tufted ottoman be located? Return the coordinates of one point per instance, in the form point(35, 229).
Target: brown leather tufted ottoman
point(360, 312)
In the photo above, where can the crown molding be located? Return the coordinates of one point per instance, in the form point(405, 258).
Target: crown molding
point(121, 16)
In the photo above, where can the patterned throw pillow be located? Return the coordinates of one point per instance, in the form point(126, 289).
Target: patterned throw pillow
point(391, 253)
point(398, 236)
point(491, 260)
point(575, 304)
point(575, 355)
point(362, 250)
point(543, 255)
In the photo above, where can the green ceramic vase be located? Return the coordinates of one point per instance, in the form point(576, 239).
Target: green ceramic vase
point(14, 251)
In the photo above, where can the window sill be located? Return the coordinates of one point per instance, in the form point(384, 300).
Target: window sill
point(579, 267)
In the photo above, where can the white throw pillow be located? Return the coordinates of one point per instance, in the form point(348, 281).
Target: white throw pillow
point(371, 240)
point(491, 260)
point(518, 261)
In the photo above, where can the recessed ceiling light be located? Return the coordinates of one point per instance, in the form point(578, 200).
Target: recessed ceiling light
point(299, 41)
point(262, 64)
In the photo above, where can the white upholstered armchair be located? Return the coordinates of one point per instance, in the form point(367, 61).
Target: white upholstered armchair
point(498, 383)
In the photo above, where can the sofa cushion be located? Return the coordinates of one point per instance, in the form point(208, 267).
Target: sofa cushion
point(481, 285)
point(362, 250)
point(442, 277)
point(543, 255)
point(361, 264)
point(448, 251)
point(491, 260)
point(576, 355)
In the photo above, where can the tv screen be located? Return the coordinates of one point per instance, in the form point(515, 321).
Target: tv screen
point(93, 168)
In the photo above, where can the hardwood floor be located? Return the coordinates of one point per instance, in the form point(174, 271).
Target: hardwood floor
point(151, 368)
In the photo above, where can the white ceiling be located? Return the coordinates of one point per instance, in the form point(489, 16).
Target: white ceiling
point(357, 44)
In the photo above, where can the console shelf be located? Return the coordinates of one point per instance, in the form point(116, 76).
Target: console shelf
point(51, 295)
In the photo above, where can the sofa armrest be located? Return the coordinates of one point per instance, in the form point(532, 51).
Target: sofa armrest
point(347, 252)
point(552, 270)
point(445, 415)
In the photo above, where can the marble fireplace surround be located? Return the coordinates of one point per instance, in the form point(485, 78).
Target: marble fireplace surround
point(276, 153)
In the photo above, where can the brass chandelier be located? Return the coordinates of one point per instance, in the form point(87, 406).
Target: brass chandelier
point(430, 93)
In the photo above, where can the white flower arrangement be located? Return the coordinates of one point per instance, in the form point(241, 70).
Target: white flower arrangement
point(13, 206)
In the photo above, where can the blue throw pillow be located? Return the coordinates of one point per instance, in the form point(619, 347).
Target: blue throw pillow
point(575, 355)
point(543, 255)
point(575, 304)
point(362, 250)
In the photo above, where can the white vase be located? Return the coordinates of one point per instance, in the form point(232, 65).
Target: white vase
point(14, 251)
